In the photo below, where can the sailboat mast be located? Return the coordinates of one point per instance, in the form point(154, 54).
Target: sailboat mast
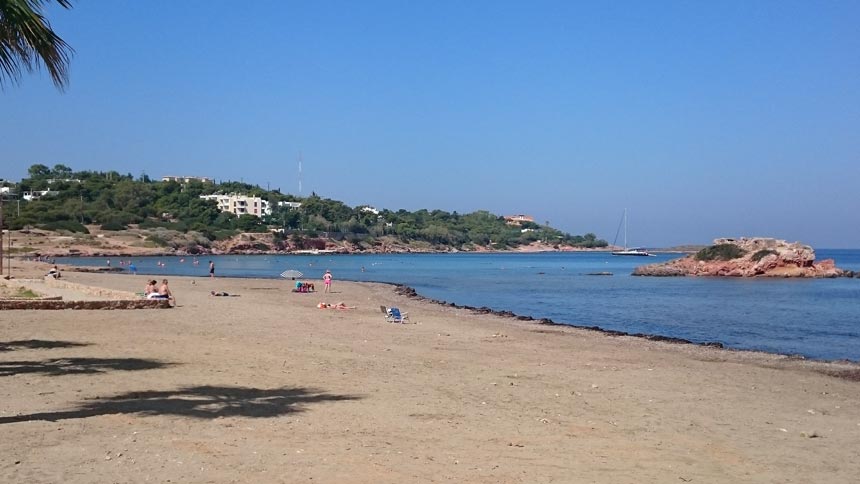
point(625, 229)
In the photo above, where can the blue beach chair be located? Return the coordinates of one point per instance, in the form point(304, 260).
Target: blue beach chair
point(393, 315)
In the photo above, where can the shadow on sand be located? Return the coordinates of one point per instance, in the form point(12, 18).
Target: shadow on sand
point(77, 366)
point(196, 402)
point(32, 344)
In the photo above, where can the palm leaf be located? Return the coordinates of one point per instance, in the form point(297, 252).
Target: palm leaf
point(27, 41)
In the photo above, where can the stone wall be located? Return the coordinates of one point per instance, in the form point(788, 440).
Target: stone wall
point(113, 299)
point(54, 304)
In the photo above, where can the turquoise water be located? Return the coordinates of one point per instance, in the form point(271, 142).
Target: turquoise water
point(814, 318)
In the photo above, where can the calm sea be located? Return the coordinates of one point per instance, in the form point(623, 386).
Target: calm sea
point(814, 318)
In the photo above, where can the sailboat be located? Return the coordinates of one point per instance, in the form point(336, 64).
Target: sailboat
point(633, 251)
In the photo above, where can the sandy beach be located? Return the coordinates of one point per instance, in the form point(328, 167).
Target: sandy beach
point(266, 387)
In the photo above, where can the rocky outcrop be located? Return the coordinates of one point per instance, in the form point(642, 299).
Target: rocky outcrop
point(747, 257)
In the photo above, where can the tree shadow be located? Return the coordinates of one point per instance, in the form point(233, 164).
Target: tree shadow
point(77, 366)
point(197, 402)
point(38, 344)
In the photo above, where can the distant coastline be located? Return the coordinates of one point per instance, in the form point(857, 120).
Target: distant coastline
point(127, 243)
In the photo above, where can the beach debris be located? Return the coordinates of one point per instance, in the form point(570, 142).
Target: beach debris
point(544, 420)
point(810, 434)
point(811, 411)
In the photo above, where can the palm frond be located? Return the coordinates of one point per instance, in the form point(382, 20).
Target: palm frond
point(27, 42)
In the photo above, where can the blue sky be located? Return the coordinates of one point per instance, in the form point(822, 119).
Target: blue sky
point(705, 119)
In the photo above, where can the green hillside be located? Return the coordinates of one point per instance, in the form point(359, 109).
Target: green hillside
point(114, 201)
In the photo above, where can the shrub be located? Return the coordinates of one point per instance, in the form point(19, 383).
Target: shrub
point(157, 240)
point(720, 252)
point(69, 225)
point(762, 254)
point(154, 224)
point(114, 225)
point(223, 234)
point(26, 293)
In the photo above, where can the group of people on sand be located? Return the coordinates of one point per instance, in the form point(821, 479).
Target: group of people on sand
point(302, 286)
point(153, 291)
point(327, 277)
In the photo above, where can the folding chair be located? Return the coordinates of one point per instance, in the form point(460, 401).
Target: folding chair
point(393, 315)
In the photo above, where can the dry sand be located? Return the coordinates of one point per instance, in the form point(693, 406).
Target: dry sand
point(265, 387)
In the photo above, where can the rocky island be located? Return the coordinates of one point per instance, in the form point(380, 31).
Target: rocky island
point(747, 257)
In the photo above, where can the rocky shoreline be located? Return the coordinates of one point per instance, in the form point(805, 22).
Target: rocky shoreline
point(411, 293)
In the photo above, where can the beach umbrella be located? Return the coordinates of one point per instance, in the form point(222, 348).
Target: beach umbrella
point(291, 274)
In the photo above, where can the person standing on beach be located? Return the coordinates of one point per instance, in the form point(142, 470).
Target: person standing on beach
point(211, 269)
point(327, 280)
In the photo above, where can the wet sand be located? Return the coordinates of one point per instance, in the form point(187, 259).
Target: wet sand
point(265, 387)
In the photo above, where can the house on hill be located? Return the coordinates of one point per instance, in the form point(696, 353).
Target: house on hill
point(187, 179)
point(518, 219)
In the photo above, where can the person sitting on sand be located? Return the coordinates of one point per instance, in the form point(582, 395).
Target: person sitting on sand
point(151, 289)
point(165, 292)
point(54, 272)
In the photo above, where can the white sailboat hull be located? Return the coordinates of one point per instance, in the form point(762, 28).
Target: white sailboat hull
point(633, 252)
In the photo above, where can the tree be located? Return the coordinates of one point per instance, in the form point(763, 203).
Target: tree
point(26, 40)
point(38, 170)
point(62, 171)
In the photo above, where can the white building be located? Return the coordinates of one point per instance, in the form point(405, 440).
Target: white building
point(187, 179)
point(240, 204)
point(35, 194)
point(292, 205)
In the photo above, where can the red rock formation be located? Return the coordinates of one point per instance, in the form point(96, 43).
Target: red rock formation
point(763, 257)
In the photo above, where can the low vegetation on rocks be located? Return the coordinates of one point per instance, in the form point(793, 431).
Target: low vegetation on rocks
point(720, 252)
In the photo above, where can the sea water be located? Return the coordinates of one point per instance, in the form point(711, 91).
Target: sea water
point(816, 318)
